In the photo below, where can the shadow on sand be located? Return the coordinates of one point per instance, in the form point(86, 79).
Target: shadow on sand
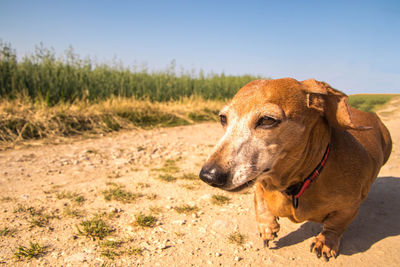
point(378, 218)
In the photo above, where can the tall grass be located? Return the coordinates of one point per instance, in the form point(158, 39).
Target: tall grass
point(41, 76)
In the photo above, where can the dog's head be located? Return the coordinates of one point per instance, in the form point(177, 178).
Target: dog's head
point(269, 125)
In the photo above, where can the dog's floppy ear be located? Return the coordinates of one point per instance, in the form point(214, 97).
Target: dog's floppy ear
point(331, 103)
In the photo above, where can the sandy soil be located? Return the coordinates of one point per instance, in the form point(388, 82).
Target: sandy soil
point(36, 176)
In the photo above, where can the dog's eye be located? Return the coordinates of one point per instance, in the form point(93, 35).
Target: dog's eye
point(267, 122)
point(223, 120)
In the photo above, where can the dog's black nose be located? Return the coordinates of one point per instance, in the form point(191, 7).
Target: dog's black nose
point(213, 175)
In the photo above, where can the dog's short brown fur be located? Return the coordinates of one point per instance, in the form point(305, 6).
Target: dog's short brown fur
point(276, 133)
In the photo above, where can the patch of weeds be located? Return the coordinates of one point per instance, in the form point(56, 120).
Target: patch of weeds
point(219, 200)
point(110, 254)
point(111, 244)
point(65, 194)
point(169, 166)
point(7, 231)
point(111, 184)
point(113, 249)
point(236, 238)
point(79, 199)
point(189, 176)
point(70, 195)
point(34, 250)
point(94, 228)
point(31, 210)
point(167, 178)
point(72, 213)
point(134, 251)
point(145, 220)
point(119, 194)
point(38, 221)
point(107, 215)
point(37, 217)
point(186, 209)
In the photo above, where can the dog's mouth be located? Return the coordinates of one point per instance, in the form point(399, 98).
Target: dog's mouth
point(248, 183)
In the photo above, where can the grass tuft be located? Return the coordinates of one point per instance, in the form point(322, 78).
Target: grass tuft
point(190, 186)
point(71, 195)
point(167, 178)
point(94, 228)
point(79, 199)
point(134, 251)
point(169, 166)
point(145, 220)
point(219, 200)
point(189, 176)
point(118, 193)
point(110, 254)
point(73, 213)
point(7, 231)
point(111, 244)
point(34, 250)
point(236, 238)
point(186, 209)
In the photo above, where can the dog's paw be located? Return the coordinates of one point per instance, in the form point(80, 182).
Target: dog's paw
point(327, 247)
point(268, 232)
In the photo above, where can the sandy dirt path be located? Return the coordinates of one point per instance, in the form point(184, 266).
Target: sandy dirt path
point(49, 178)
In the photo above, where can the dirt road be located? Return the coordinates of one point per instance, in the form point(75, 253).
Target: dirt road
point(48, 190)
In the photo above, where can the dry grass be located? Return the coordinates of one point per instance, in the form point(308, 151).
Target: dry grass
point(186, 209)
point(219, 200)
point(21, 119)
point(236, 238)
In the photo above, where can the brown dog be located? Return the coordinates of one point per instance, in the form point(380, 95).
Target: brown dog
point(311, 156)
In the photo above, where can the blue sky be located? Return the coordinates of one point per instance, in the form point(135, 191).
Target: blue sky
point(353, 45)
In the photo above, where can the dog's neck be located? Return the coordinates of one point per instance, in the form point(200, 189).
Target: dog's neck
point(314, 152)
point(296, 190)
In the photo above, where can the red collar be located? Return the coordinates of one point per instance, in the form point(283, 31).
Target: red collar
point(296, 190)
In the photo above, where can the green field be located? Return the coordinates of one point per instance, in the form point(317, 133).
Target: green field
point(370, 102)
point(44, 77)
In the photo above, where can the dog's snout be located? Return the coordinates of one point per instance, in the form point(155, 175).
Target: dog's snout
point(213, 175)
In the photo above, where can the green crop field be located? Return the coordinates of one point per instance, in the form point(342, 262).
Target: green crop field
point(42, 76)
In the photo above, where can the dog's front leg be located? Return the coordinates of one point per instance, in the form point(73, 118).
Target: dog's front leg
point(266, 221)
point(327, 242)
